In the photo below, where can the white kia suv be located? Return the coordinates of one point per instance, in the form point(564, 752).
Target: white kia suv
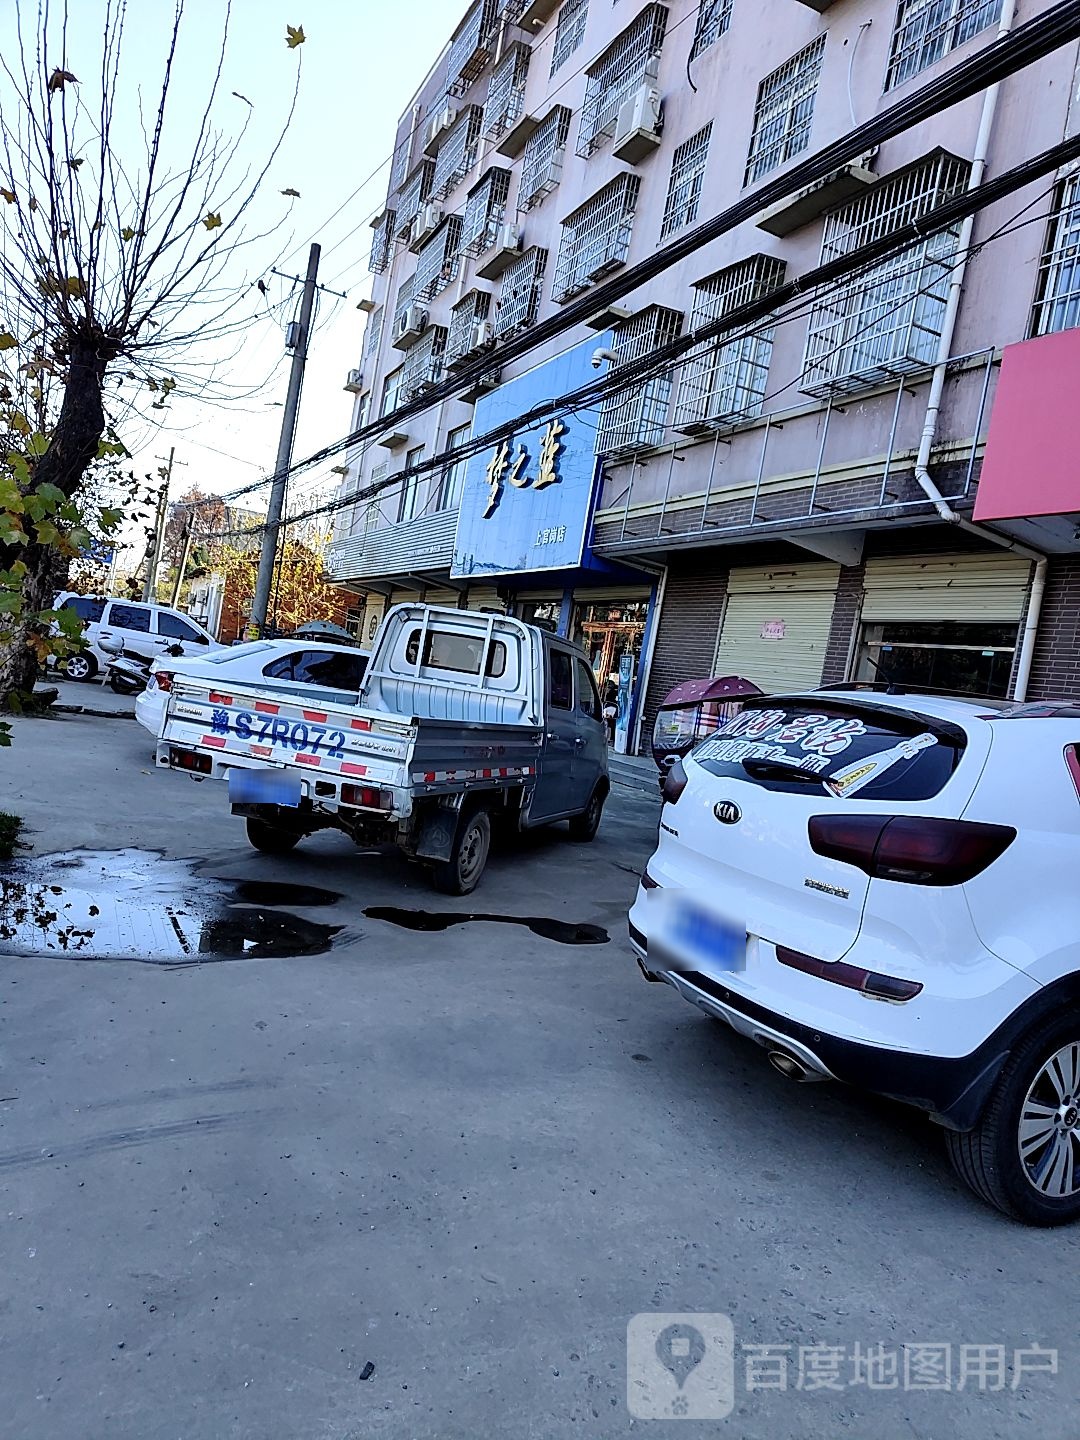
point(884, 889)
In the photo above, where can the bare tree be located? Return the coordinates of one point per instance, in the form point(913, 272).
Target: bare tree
point(120, 276)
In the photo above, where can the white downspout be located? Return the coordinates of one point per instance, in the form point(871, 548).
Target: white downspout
point(937, 389)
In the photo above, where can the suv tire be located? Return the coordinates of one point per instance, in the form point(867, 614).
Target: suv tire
point(1023, 1157)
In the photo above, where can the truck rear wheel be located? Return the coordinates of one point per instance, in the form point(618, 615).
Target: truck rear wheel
point(460, 874)
point(270, 839)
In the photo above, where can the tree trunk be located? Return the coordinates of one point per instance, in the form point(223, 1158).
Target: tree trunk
point(79, 428)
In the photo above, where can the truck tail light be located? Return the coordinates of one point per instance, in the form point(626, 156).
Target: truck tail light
point(916, 849)
point(367, 797)
point(163, 679)
point(190, 760)
point(675, 782)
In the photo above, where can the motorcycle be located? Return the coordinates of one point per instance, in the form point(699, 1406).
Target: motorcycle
point(128, 674)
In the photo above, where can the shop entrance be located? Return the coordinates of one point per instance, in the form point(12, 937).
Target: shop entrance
point(612, 633)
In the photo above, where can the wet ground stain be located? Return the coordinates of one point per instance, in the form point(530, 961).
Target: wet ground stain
point(561, 931)
point(136, 905)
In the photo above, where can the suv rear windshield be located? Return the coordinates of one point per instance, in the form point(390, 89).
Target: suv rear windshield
point(871, 752)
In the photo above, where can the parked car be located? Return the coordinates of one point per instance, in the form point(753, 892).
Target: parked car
point(463, 718)
point(881, 889)
point(145, 631)
point(287, 667)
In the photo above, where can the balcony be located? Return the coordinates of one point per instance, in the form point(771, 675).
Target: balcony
point(596, 238)
point(506, 95)
point(426, 543)
point(473, 46)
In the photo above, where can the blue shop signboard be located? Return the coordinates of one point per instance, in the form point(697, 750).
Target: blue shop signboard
point(526, 503)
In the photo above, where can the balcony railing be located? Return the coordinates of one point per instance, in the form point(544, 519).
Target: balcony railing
point(596, 237)
point(457, 153)
point(416, 191)
point(472, 47)
point(617, 73)
point(485, 208)
point(382, 241)
point(437, 261)
point(635, 419)
point(542, 160)
point(519, 292)
point(424, 362)
point(465, 318)
point(506, 94)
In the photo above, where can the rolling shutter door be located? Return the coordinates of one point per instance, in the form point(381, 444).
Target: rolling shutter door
point(932, 588)
point(776, 626)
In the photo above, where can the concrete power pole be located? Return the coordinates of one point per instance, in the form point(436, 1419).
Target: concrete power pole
point(257, 622)
point(154, 558)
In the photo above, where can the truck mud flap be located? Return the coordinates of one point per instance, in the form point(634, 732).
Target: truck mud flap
point(437, 831)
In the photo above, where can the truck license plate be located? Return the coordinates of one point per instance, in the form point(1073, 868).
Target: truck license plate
point(264, 787)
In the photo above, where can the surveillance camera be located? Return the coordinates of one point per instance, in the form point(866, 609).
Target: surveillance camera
point(599, 356)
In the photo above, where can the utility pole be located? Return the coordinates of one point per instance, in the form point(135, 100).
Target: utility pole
point(257, 622)
point(185, 552)
point(159, 530)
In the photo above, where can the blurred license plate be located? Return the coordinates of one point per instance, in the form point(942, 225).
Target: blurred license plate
point(691, 937)
point(265, 787)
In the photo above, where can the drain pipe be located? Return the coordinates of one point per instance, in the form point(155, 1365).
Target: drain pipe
point(937, 389)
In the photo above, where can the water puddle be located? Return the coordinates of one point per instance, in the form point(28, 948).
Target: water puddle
point(562, 931)
point(136, 905)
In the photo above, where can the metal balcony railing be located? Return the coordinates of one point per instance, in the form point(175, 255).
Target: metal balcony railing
point(635, 419)
point(485, 208)
point(542, 158)
point(457, 153)
point(519, 292)
point(596, 237)
point(470, 311)
point(472, 47)
point(615, 75)
point(415, 193)
point(437, 261)
point(382, 241)
point(506, 93)
point(424, 362)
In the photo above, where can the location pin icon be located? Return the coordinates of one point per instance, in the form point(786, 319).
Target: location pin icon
point(680, 1349)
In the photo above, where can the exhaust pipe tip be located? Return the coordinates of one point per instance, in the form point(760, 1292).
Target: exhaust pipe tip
point(788, 1066)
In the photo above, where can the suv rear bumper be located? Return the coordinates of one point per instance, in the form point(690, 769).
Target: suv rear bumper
point(953, 1090)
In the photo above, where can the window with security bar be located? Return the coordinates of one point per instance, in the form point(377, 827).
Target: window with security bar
point(596, 237)
point(424, 362)
point(472, 47)
point(373, 333)
point(569, 31)
point(399, 167)
point(404, 298)
point(887, 321)
point(684, 184)
point(542, 158)
point(723, 381)
point(437, 260)
point(457, 153)
point(506, 93)
point(784, 115)
point(465, 318)
point(416, 191)
point(485, 208)
point(620, 71)
point(636, 418)
point(382, 241)
point(519, 292)
point(1057, 302)
point(927, 30)
point(713, 18)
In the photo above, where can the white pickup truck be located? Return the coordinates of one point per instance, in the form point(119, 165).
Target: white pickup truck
point(461, 718)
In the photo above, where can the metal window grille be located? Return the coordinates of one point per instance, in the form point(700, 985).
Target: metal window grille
point(465, 317)
point(617, 73)
point(1057, 304)
point(887, 321)
point(635, 418)
point(714, 17)
point(569, 31)
point(926, 30)
point(373, 333)
point(506, 93)
point(541, 160)
point(405, 296)
point(382, 240)
point(424, 362)
point(484, 211)
point(519, 292)
point(784, 115)
point(723, 381)
point(457, 153)
point(417, 190)
point(684, 185)
point(596, 237)
point(402, 155)
point(437, 260)
point(471, 48)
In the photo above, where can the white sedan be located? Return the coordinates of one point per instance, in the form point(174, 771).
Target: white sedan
point(295, 667)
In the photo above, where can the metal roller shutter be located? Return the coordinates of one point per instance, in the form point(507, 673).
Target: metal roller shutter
point(776, 626)
point(964, 588)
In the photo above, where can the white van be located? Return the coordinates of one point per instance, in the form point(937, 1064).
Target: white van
point(147, 631)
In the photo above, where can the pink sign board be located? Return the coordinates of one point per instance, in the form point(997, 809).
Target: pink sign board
point(774, 630)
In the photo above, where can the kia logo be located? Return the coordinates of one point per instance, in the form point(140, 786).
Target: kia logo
point(727, 812)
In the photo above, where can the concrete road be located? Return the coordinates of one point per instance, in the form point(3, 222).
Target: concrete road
point(466, 1159)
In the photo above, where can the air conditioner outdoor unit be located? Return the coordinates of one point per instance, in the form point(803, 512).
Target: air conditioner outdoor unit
point(411, 324)
point(482, 385)
point(508, 246)
point(425, 222)
point(637, 130)
point(355, 382)
point(483, 334)
point(439, 122)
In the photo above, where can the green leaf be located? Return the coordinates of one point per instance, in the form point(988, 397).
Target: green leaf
point(37, 444)
point(10, 601)
point(70, 513)
point(7, 340)
point(110, 519)
point(11, 497)
point(51, 494)
point(19, 466)
point(47, 533)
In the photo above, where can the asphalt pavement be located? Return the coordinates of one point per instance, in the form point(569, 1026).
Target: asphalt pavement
point(420, 1184)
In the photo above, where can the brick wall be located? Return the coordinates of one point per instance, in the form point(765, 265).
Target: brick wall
point(1055, 672)
point(849, 594)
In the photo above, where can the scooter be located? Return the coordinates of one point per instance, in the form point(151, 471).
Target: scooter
point(129, 674)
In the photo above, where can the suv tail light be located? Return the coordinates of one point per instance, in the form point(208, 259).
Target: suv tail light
point(1072, 760)
point(916, 849)
point(163, 680)
point(675, 782)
